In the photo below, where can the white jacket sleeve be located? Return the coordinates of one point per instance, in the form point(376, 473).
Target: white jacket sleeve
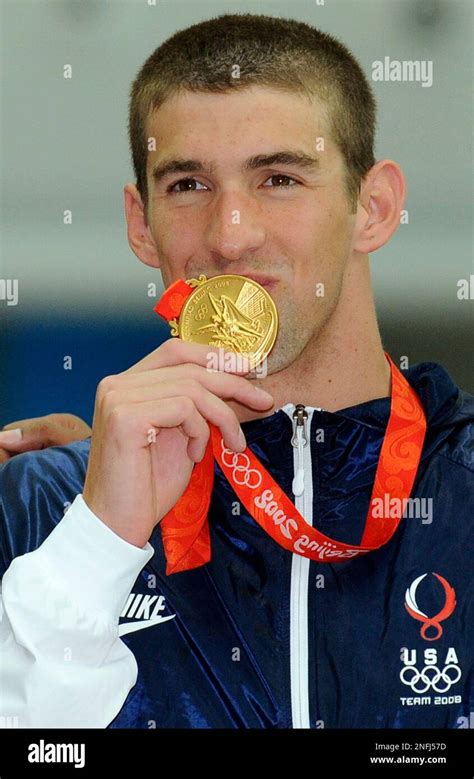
point(62, 663)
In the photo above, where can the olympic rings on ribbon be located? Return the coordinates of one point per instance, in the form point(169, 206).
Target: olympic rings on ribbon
point(244, 469)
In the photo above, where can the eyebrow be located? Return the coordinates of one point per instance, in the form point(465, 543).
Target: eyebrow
point(299, 159)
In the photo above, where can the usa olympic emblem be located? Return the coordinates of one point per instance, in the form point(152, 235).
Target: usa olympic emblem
point(430, 622)
point(242, 473)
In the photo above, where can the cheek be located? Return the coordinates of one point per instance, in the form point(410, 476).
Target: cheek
point(319, 245)
point(316, 239)
point(176, 243)
point(311, 224)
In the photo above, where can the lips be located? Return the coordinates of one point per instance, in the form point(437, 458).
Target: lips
point(268, 282)
point(265, 281)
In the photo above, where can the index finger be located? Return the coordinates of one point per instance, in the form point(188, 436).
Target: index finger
point(176, 351)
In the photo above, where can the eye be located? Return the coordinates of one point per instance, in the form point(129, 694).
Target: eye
point(283, 178)
point(187, 186)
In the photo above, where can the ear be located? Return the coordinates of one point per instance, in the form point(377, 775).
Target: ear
point(381, 200)
point(139, 234)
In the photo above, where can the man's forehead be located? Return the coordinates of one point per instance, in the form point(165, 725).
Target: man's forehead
point(184, 129)
point(259, 105)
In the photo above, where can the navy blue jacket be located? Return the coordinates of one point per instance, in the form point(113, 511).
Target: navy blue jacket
point(262, 638)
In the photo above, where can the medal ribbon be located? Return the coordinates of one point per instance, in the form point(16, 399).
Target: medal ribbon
point(185, 529)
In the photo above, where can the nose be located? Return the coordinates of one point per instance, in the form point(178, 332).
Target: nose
point(235, 227)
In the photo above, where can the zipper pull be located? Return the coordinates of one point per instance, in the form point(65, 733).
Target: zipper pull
point(299, 439)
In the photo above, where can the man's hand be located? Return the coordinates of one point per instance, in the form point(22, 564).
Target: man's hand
point(41, 432)
point(133, 480)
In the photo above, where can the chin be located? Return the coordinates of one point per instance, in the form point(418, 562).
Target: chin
point(277, 361)
point(290, 344)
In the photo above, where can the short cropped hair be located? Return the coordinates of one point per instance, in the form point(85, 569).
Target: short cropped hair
point(269, 51)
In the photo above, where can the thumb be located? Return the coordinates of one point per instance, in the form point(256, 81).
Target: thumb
point(30, 434)
point(40, 432)
point(20, 437)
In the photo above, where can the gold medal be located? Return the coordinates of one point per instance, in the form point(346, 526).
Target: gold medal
point(227, 311)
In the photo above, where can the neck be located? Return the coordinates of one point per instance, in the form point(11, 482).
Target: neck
point(343, 364)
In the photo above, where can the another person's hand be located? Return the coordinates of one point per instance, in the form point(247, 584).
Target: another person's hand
point(41, 432)
point(151, 424)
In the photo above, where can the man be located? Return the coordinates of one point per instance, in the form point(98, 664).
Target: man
point(252, 141)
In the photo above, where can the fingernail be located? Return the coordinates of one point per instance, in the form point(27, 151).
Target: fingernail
point(11, 436)
point(242, 440)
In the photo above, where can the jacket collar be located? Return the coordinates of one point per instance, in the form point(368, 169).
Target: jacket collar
point(440, 397)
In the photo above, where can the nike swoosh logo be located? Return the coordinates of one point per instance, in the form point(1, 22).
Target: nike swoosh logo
point(131, 627)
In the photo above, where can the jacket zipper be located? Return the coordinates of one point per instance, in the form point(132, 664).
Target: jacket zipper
point(299, 440)
point(303, 491)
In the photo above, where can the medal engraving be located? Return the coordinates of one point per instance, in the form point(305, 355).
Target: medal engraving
point(232, 312)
